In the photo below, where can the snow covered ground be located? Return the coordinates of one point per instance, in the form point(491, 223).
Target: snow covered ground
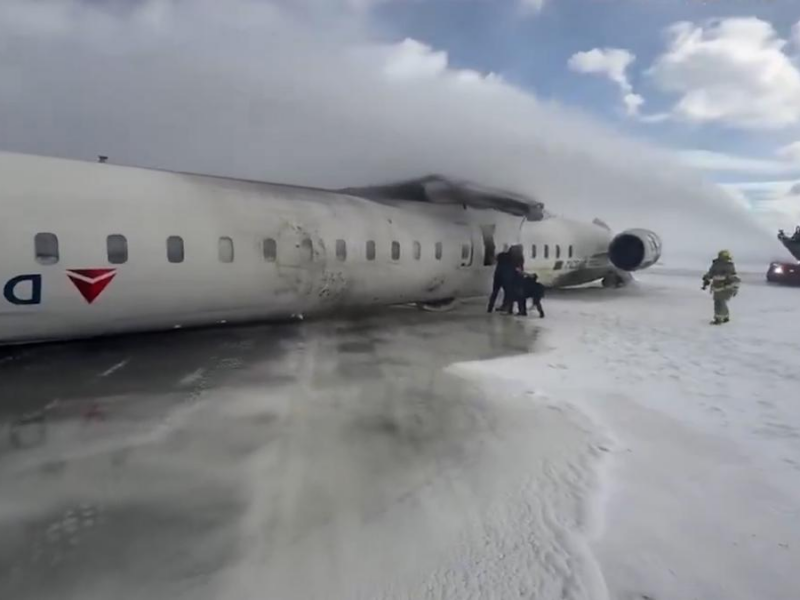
point(620, 449)
point(701, 494)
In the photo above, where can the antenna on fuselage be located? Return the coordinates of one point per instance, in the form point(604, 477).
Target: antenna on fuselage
point(102, 159)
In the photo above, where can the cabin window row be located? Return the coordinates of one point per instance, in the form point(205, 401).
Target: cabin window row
point(47, 249)
point(546, 249)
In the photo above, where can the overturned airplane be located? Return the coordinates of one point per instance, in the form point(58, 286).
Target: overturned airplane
point(95, 249)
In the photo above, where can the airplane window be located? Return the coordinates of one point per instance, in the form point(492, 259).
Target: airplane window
point(175, 252)
point(438, 250)
point(370, 250)
point(464, 251)
point(558, 251)
point(570, 251)
point(270, 250)
point(533, 251)
point(547, 251)
point(395, 250)
point(417, 250)
point(225, 250)
point(308, 249)
point(46, 248)
point(341, 250)
point(117, 249)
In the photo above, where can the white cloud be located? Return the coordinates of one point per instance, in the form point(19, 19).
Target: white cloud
point(632, 102)
point(727, 163)
point(532, 6)
point(612, 63)
point(790, 152)
point(266, 90)
point(412, 61)
point(731, 71)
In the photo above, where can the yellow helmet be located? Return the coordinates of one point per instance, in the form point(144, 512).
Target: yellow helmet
point(724, 255)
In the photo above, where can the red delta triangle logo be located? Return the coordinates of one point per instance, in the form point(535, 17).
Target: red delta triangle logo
point(91, 282)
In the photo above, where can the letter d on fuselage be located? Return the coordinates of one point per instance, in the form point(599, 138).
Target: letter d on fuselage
point(23, 290)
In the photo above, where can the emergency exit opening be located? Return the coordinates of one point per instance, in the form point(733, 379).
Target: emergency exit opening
point(489, 247)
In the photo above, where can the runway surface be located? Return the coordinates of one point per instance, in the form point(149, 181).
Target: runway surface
point(122, 460)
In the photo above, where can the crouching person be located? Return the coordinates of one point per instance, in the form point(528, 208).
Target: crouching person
point(535, 291)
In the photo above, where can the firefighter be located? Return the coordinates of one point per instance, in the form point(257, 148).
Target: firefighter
point(724, 285)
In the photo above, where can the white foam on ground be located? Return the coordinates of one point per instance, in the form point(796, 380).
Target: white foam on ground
point(502, 512)
point(706, 480)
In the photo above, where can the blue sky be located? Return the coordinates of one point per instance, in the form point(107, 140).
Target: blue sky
point(533, 50)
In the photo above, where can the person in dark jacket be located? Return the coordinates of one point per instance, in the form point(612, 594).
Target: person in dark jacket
point(502, 277)
point(535, 291)
point(516, 287)
point(517, 256)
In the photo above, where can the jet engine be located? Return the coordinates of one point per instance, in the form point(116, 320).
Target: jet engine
point(634, 249)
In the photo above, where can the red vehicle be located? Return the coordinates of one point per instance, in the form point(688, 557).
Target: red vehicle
point(787, 272)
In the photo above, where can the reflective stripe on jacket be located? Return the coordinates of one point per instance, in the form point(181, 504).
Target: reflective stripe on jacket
point(722, 276)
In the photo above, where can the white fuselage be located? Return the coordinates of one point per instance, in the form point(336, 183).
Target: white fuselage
point(238, 251)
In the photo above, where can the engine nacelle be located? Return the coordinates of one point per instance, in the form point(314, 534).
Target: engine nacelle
point(634, 249)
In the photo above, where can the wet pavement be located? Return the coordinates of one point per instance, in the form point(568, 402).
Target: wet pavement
point(156, 465)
